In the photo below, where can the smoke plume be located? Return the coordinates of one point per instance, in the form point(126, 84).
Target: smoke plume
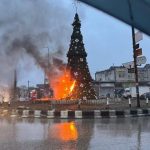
point(27, 27)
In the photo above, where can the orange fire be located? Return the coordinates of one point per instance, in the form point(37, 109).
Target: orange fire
point(43, 99)
point(63, 85)
point(72, 86)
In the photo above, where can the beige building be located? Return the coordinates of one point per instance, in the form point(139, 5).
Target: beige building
point(116, 78)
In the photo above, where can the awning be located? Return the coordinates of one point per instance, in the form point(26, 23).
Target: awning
point(140, 10)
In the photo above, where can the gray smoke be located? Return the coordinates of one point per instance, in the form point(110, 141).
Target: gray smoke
point(26, 27)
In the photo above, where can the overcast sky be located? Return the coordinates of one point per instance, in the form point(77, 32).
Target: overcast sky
point(107, 41)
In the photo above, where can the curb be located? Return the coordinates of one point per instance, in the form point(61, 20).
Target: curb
point(77, 114)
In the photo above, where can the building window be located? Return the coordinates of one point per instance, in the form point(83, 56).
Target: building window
point(121, 74)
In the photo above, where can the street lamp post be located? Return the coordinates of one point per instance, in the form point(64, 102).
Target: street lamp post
point(46, 76)
point(48, 66)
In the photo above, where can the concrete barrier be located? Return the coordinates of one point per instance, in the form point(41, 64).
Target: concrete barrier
point(25, 113)
point(88, 114)
point(97, 114)
point(13, 113)
point(78, 114)
point(50, 114)
point(148, 110)
point(37, 113)
point(64, 114)
point(112, 113)
point(127, 113)
point(140, 112)
point(5, 111)
point(120, 113)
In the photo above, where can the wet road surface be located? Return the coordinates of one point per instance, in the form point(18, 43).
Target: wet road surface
point(88, 134)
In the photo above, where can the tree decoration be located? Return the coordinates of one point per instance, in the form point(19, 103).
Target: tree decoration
point(78, 66)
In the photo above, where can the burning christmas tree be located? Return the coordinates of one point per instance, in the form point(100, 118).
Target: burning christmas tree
point(77, 65)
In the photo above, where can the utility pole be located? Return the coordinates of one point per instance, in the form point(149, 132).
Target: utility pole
point(135, 67)
point(15, 86)
point(134, 55)
point(28, 90)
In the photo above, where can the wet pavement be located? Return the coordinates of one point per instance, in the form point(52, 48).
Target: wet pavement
point(88, 134)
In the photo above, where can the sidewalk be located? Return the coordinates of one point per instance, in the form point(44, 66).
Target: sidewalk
point(88, 105)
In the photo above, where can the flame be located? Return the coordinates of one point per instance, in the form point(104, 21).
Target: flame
point(72, 86)
point(66, 131)
point(44, 99)
point(63, 85)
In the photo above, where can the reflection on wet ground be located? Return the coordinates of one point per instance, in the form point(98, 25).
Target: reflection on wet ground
point(104, 134)
point(66, 131)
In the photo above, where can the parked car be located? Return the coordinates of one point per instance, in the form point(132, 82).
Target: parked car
point(131, 91)
point(145, 96)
